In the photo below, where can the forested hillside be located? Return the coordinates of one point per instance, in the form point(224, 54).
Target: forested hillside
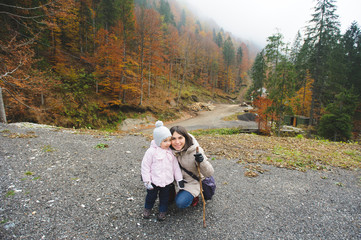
point(317, 76)
point(87, 63)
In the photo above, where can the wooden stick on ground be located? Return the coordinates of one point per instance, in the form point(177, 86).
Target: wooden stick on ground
point(200, 183)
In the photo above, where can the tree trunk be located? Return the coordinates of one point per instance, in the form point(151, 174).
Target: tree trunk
point(183, 79)
point(122, 82)
point(42, 99)
point(149, 74)
point(170, 77)
point(141, 71)
point(2, 108)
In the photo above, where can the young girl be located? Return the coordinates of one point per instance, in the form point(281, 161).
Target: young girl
point(159, 169)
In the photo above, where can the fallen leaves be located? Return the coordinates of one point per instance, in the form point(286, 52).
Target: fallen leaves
point(257, 168)
point(253, 170)
point(19, 135)
point(250, 173)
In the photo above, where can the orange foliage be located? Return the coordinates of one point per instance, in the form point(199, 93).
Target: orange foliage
point(120, 63)
point(107, 62)
point(301, 102)
point(15, 69)
point(246, 63)
point(264, 115)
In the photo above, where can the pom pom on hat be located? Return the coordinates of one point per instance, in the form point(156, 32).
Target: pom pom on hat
point(160, 133)
point(158, 124)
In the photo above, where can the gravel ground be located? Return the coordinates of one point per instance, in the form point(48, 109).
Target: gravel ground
point(55, 184)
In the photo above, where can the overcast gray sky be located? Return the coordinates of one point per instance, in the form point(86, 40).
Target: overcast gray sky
point(256, 20)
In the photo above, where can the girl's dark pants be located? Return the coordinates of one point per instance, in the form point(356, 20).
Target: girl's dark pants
point(163, 197)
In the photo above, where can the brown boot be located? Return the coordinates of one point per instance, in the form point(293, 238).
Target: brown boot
point(146, 213)
point(161, 216)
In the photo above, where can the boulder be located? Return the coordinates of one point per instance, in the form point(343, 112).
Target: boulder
point(247, 117)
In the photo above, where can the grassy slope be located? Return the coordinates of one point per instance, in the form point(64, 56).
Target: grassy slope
point(289, 152)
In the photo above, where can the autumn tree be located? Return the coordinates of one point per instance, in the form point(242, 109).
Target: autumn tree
point(127, 30)
point(170, 51)
point(187, 41)
point(154, 45)
point(263, 107)
point(19, 32)
point(301, 102)
point(108, 63)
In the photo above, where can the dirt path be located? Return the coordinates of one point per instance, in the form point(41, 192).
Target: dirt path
point(213, 119)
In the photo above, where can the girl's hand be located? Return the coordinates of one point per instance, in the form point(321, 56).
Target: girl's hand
point(181, 184)
point(148, 185)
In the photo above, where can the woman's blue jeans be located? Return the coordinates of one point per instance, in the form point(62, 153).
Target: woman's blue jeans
point(163, 197)
point(183, 199)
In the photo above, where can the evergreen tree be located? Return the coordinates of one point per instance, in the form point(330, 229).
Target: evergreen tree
point(258, 75)
point(322, 35)
point(199, 25)
point(108, 13)
point(182, 21)
point(228, 55)
point(214, 35)
point(351, 42)
point(336, 124)
point(85, 26)
point(239, 61)
point(239, 55)
point(165, 11)
point(296, 48)
point(219, 39)
point(281, 75)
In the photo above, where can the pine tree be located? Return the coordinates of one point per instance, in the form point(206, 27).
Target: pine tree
point(258, 74)
point(281, 75)
point(182, 21)
point(219, 39)
point(336, 124)
point(228, 55)
point(322, 35)
point(165, 11)
point(108, 14)
point(239, 61)
point(351, 42)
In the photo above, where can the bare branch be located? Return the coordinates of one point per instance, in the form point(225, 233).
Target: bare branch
point(15, 15)
point(11, 72)
point(23, 8)
point(21, 101)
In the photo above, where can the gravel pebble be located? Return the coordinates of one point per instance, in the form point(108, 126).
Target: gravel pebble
point(61, 184)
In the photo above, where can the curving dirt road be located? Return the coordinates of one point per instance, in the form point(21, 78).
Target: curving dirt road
point(213, 119)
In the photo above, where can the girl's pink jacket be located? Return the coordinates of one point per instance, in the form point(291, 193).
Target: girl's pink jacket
point(160, 166)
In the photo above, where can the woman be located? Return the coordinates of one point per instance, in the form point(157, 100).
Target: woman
point(184, 147)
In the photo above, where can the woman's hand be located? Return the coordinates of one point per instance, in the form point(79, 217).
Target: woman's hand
point(198, 157)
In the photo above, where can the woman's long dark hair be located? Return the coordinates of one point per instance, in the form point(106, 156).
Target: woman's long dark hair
point(182, 131)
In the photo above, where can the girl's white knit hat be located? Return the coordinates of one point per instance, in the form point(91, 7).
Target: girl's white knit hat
point(160, 133)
